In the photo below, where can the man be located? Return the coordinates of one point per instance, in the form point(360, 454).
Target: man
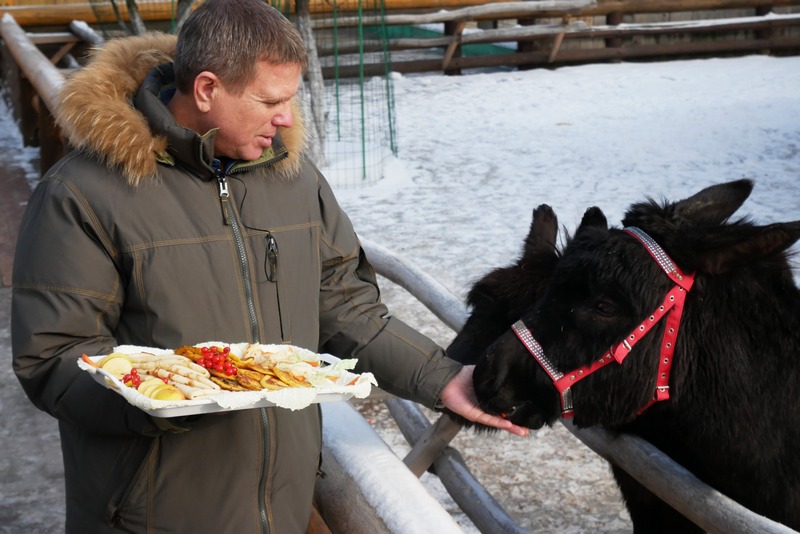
point(188, 213)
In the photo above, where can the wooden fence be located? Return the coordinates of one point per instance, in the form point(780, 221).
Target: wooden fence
point(558, 32)
point(453, 35)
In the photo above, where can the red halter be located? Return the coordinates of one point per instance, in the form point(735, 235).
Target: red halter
point(672, 307)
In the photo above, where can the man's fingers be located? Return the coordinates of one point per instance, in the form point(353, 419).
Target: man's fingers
point(502, 424)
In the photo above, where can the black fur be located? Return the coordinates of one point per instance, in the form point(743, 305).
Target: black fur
point(503, 295)
point(733, 417)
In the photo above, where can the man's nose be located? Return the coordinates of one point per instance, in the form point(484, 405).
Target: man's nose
point(284, 117)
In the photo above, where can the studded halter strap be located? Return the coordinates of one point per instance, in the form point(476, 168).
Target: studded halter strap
point(672, 307)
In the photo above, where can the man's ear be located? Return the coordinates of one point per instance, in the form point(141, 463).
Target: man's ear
point(206, 86)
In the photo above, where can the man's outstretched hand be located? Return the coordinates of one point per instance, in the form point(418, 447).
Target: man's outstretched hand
point(459, 397)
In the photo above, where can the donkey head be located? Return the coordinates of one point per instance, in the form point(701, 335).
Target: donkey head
point(605, 286)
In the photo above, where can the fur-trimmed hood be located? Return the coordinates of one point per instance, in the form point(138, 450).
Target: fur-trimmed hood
point(96, 111)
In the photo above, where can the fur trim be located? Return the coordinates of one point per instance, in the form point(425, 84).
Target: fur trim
point(95, 111)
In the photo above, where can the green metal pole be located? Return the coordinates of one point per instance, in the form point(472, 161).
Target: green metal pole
point(387, 71)
point(336, 70)
point(361, 88)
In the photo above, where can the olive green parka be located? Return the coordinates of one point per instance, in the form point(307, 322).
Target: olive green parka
point(137, 237)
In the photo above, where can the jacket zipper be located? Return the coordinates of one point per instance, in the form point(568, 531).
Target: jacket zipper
point(230, 219)
point(265, 511)
point(233, 222)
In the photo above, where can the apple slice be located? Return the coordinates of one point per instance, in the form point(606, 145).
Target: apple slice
point(117, 366)
point(168, 393)
point(148, 386)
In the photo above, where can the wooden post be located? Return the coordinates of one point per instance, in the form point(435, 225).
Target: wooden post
point(453, 29)
point(27, 112)
point(765, 35)
point(432, 442)
point(556, 47)
point(527, 46)
point(136, 19)
point(454, 48)
point(614, 19)
point(51, 145)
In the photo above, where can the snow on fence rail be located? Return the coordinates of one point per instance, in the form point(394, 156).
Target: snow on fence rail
point(703, 505)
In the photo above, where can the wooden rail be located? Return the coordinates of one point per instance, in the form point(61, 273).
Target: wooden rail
point(37, 67)
point(37, 84)
point(32, 14)
point(540, 33)
point(564, 32)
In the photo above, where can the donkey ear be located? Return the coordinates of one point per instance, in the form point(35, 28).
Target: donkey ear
point(593, 217)
point(713, 205)
point(709, 207)
point(543, 232)
point(743, 248)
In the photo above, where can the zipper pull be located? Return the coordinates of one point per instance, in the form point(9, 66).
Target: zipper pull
point(224, 194)
point(272, 258)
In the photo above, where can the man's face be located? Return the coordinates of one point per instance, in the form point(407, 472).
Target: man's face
point(248, 121)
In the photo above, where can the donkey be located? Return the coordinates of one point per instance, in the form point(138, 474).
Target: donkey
point(683, 328)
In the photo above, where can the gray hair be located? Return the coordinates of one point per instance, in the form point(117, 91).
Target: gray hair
point(228, 38)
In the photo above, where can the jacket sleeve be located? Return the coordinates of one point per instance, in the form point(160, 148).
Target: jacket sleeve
point(67, 297)
point(355, 323)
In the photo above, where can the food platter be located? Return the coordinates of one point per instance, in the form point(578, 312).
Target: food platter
point(346, 385)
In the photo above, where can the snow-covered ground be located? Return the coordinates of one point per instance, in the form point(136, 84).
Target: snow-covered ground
point(478, 152)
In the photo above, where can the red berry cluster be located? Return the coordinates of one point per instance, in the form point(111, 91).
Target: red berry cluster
point(217, 358)
point(132, 379)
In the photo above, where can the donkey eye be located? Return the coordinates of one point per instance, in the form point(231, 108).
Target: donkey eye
point(605, 308)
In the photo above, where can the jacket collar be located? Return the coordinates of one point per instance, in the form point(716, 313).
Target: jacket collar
point(113, 109)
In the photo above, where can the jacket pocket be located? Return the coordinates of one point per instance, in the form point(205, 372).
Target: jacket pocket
point(287, 274)
point(126, 508)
